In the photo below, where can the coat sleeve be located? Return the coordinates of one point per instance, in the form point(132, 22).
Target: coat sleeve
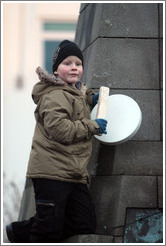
point(56, 113)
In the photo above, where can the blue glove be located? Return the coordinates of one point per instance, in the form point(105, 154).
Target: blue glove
point(95, 99)
point(102, 125)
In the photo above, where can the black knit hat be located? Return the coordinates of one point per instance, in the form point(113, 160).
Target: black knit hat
point(65, 48)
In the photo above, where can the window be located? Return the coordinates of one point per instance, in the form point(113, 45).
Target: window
point(49, 47)
point(61, 27)
point(52, 34)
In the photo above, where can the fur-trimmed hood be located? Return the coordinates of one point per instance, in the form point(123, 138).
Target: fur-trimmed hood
point(49, 81)
point(49, 78)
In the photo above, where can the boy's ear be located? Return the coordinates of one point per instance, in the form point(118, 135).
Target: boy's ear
point(56, 73)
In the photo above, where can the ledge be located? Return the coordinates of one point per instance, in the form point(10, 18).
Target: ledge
point(91, 238)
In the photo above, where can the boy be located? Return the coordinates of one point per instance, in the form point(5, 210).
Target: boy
point(61, 150)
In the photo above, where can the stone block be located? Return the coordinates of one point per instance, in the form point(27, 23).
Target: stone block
point(91, 238)
point(105, 162)
point(131, 158)
point(27, 208)
point(118, 240)
point(161, 121)
point(161, 63)
point(122, 63)
point(129, 20)
point(83, 6)
point(117, 231)
point(122, 47)
point(161, 20)
point(88, 23)
point(143, 226)
point(113, 194)
point(116, 20)
point(94, 158)
point(160, 191)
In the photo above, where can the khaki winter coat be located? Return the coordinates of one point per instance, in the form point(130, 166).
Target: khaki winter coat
point(62, 142)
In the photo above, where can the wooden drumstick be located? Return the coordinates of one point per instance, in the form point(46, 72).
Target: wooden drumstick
point(102, 102)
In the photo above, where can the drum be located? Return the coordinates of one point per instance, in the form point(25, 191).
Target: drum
point(124, 119)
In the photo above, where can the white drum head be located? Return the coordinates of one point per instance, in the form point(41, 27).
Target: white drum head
point(124, 119)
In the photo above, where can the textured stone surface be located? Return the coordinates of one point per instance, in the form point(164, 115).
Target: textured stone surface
point(118, 239)
point(94, 157)
point(129, 20)
point(143, 226)
point(161, 20)
point(123, 63)
point(161, 113)
point(160, 192)
point(113, 194)
point(27, 208)
point(89, 239)
point(131, 158)
point(124, 52)
point(88, 24)
point(161, 63)
point(116, 20)
point(83, 6)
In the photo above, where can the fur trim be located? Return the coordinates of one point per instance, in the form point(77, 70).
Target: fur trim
point(47, 77)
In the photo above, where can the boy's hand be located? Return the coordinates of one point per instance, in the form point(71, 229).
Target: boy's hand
point(102, 125)
point(95, 99)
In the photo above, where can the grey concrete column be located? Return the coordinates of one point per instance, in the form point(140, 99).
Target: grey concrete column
point(122, 47)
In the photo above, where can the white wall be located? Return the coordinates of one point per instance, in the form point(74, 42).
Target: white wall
point(22, 53)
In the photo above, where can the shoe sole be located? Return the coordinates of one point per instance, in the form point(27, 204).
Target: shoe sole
point(10, 234)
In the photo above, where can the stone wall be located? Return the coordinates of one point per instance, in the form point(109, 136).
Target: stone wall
point(122, 47)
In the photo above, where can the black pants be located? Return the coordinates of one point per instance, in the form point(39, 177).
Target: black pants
point(62, 210)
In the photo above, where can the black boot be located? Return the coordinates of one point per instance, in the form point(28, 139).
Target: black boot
point(10, 234)
point(18, 232)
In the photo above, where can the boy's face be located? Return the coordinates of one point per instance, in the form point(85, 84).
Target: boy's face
point(70, 70)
